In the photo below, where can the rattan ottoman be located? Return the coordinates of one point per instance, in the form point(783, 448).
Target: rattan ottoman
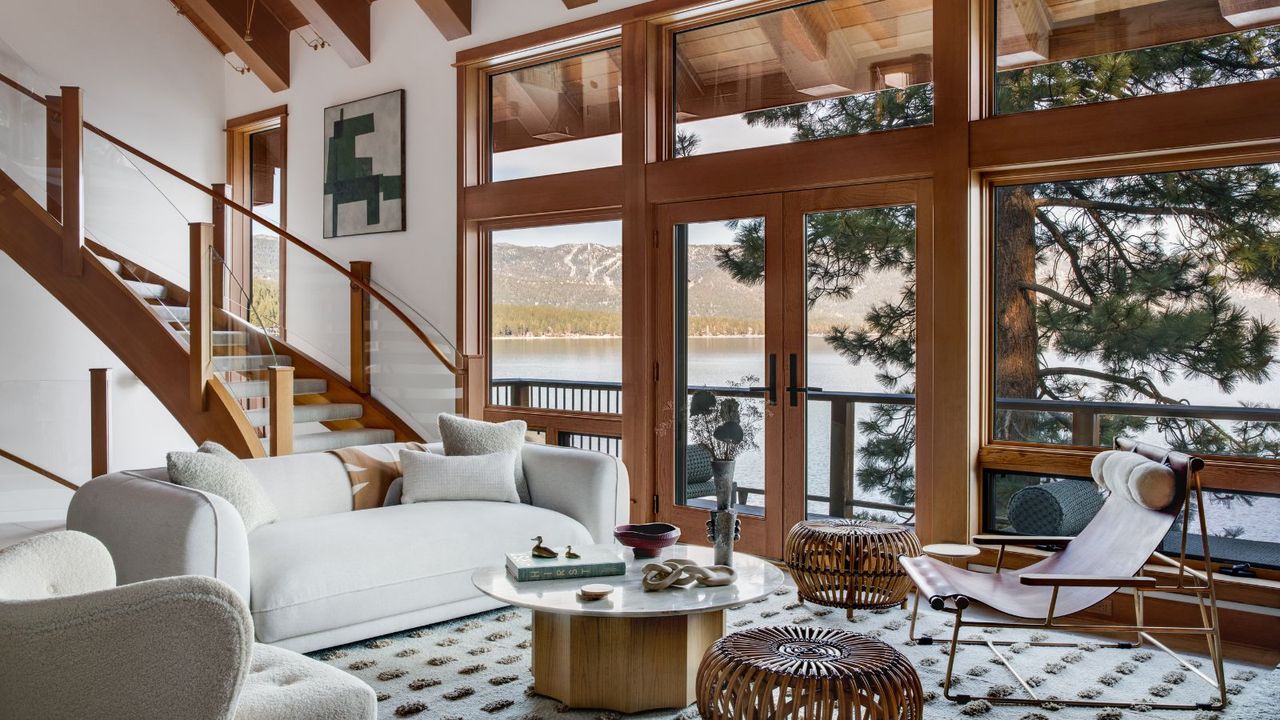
point(774, 673)
point(850, 563)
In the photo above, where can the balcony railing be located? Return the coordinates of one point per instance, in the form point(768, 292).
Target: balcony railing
point(1083, 417)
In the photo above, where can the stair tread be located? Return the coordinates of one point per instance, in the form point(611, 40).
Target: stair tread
point(334, 439)
point(319, 412)
point(172, 313)
point(151, 291)
point(249, 362)
point(112, 265)
point(222, 338)
point(260, 388)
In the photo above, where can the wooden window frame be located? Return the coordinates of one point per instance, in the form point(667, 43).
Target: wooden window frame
point(965, 150)
point(240, 181)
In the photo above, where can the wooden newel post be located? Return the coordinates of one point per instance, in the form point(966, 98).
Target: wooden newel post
point(362, 269)
point(99, 421)
point(200, 306)
point(72, 156)
point(280, 411)
point(219, 287)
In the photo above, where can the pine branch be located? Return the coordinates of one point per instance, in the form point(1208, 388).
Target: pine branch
point(1109, 206)
point(1061, 239)
point(1139, 385)
point(1064, 299)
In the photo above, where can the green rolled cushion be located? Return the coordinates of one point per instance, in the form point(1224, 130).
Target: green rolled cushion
point(1056, 508)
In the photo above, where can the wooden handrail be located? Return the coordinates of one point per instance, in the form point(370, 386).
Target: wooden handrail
point(38, 470)
point(355, 280)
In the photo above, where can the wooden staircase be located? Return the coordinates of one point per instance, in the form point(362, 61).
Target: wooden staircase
point(221, 377)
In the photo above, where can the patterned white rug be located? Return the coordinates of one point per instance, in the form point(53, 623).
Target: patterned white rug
point(478, 667)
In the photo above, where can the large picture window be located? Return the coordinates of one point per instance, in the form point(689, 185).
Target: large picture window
point(821, 69)
point(1055, 53)
point(1145, 306)
point(556, 117)
point(556, 317)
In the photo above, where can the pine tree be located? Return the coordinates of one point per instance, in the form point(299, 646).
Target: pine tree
point(1110, 289)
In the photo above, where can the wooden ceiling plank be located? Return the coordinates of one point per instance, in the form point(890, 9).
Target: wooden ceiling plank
point(451, 17)
point(1244, 13)
point(343, 24)
point(267, 54)
point(1023, 30)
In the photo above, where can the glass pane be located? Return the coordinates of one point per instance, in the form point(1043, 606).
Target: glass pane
point(719, 338)
point(556, 117)
point(860, 351)
point(1074, 53)
point(1146, 306)
point(266, 163)
point(1243, 527)
point(822, 69)
point(556, 317)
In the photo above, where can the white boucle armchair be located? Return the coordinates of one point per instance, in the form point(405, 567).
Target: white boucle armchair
point(74, 645)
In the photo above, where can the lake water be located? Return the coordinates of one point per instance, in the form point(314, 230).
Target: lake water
point(722, 360)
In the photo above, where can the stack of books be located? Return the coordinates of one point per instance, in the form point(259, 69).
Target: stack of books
point(595, 561)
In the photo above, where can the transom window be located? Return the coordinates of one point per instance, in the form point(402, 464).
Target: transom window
point(821, 69)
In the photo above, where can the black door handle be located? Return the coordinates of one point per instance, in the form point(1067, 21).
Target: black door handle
point(793, 389)
point(772, 387)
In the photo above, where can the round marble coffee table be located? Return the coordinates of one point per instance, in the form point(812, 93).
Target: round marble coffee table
point(633, 650)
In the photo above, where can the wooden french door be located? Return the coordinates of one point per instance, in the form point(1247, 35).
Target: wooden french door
point(768, 306)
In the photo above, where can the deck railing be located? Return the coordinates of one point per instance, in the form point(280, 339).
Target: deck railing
point(1083, 417)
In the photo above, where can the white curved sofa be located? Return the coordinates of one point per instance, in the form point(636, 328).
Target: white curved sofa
point(324, 575)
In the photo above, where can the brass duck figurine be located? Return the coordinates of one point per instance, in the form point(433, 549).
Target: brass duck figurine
point(542, 551)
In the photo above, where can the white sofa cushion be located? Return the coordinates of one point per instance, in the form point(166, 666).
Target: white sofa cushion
point(283, 685)
point(319, 573)
point(464, 436)
point(429, 477)
point(227, 478)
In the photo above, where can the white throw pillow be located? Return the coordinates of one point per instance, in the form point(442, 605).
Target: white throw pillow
point(430, 477)
point(464, 436)
point(226, 477)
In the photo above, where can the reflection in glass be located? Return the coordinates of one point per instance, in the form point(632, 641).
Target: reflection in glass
point(1056, 54)
point(720, 357)
point(821, 69)
point(556, 117)
point(556, 317)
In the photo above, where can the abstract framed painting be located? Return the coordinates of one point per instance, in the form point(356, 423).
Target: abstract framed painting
point(364, 166)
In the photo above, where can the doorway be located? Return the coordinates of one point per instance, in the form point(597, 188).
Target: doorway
point(257, 168)
point(789, 355)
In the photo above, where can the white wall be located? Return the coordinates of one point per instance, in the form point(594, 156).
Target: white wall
point(152, 80)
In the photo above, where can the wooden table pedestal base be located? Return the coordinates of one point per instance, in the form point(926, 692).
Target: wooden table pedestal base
point(623, 664)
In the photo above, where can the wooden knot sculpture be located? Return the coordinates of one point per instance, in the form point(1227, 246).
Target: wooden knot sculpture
point(683, 573)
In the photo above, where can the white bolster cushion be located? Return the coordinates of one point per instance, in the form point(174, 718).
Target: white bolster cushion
point(1135, 478)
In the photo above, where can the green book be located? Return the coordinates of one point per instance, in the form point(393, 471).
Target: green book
point(596, 561)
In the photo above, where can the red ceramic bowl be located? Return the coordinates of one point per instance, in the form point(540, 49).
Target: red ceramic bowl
point(648, 539)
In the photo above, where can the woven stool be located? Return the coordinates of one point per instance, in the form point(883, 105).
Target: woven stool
point(806, 672)
point(850, 563)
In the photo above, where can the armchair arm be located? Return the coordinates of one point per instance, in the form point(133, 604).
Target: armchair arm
point(1022, 540)
point(168, 648)
point(590, 487)
point(157, 529)
point(1047, 579)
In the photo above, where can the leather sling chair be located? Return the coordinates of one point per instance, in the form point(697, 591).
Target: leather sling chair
point(1107, 555)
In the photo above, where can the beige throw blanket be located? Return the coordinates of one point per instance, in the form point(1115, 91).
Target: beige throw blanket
point(370, 477)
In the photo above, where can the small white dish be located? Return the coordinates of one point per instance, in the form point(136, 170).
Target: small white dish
point(594, 591)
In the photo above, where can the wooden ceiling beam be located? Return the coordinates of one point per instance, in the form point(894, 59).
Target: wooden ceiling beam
point(343, 24)
point(266, 54)
point(451, 17)
point(1244, 13)
point(1023, 31)
point(571, 4)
